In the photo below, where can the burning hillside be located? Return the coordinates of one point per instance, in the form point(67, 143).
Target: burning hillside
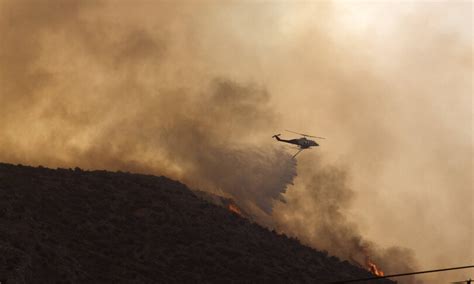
point(99, 226)
point(194, 90)
point(373, 268)
point(221, 201)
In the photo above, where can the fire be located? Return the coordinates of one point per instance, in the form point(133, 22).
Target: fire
point(373, 268)
point(233, 208)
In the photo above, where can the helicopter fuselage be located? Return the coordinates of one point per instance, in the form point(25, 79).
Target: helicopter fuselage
point(302, 142)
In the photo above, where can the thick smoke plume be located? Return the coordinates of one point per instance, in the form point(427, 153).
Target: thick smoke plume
point(194, 90)
point(316, 212)
point(198, 135)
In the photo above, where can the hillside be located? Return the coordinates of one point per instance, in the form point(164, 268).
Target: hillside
point(75, 226)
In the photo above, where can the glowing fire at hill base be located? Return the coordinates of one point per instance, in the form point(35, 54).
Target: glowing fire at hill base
point(372, 267)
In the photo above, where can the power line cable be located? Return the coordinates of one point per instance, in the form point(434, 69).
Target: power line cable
point(402, 274)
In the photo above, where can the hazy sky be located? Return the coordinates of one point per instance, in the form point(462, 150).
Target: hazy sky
point(195, 90)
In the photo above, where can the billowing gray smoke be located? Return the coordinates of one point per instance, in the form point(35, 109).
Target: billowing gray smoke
point(316, 212)
point(208, 143)
point(75, 91)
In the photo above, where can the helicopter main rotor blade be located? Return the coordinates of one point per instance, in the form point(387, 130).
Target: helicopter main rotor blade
point(306, 135)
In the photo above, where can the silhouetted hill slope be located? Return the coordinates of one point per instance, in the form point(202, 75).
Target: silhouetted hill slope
point(74, 226)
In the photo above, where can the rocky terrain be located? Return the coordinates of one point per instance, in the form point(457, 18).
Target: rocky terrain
point(75, 226)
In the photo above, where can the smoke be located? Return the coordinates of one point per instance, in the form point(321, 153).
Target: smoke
point(105, 115)
point(316, 212)
point(194, 91)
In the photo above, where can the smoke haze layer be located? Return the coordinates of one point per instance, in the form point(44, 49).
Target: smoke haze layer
point(195, 90)
point(316, 211)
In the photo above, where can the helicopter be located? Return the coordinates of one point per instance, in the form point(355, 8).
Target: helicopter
point(303, 143)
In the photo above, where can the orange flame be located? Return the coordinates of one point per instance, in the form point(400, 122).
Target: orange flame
point(233, 208)
point(372, 267)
